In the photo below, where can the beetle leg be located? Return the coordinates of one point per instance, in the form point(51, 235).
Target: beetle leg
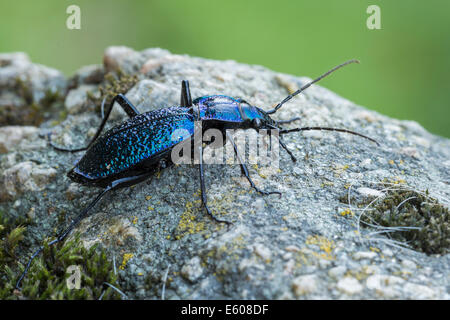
point(244, 169)
point(203, 189)
point(61, 236)
point(185, 100)
point(283, 145)
point(126, 105)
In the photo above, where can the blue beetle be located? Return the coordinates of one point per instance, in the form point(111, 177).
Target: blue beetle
point(134, 150)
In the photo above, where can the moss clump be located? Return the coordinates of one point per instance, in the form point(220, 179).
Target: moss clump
point(12, 232)
point(113, 84)
point(409, 208)
point(47, 277)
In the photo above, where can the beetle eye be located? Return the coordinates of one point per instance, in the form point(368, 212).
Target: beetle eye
point(256, 122)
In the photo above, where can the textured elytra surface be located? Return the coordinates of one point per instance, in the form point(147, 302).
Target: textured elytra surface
point(302, 245)
point(135, 141)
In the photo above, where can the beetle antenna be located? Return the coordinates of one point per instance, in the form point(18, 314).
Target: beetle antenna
point(328, 129)
point(289, 97)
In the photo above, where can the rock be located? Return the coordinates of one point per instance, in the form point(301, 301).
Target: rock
point(192, 270)
point(417, 291)
point(368, 192)
point(127, 60)
point(24, 177)
point(388, 252)
point(337, 272)
point(76, 99)
point(294, 246)
point(410, 151)
point(305, 284)
point(23, 86)
point(364, 255)
point(385, 285)
point(123, 229)
point(12, 136)
point(262, 251)
point(349, 286)
point(408, 264)
point(92, 74)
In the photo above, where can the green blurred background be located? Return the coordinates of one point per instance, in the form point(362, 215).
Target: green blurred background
point(404, 71)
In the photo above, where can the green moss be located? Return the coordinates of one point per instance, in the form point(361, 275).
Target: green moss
point(409, 208)
point(47, 276)
point(11, 234)
point(12, 231)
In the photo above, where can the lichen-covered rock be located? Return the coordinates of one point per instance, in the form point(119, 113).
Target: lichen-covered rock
point(25, 88)
point(309, 243)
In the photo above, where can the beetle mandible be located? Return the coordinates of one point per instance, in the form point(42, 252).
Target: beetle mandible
point(136, 149)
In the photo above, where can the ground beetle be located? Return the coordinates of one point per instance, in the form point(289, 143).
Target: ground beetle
point(136, 149)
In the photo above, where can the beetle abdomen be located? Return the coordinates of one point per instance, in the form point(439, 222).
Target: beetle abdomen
point(131, 143)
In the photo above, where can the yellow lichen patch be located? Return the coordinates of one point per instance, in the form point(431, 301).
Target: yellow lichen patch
point(399, 181)
point(223, 205)
point(135, 220)
point(148, 197)
point(325, 245)
point(396, 180)
point(125, 259)
point(347, 212)
point(373, 249)
point(339, 169)
point(256, 167)
point(301, 257)
point(327, 184)
point(150, 208)
point(291, 215)
point(360, 274)
point(391, 162)
point(188, 223)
